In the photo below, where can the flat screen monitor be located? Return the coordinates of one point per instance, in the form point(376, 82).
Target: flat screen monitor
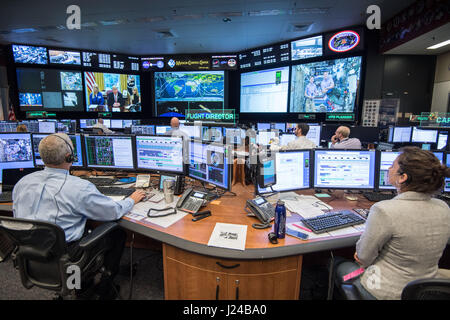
point(262, 126)
point(325, 86)
point(111, 152)
point(280, 126)
point(66, 126)
point(212, 134)
point(16, 151)
point(192, 131)
point(143, 129)
point(50, 90)
point(401, 135)
point(117, 92)
point(344, 169)
point(6, 126)
point(163, 154)
point(266, 172)
point(77, 149)
point(292, 170)
point(424, 135)
point(447, 180)
point(87, 123)
point(64, 57)
point(209, 162)
point(264, 137)
point(47, 127)
point(162, 129)
point(36, 140)
point(32, 125)
point(306, 48)
point(176, 92)
point(127, 123)
point(314, 133)
point(442, 140)
point(265, 90)
point(234, 135)
point(116, 124)
point(386, 160)
point(29, 54)
point(286, 138)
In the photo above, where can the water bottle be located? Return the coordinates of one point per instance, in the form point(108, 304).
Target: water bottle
point(280, 220)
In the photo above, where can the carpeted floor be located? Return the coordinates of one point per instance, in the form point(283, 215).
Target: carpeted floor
point(148, 282)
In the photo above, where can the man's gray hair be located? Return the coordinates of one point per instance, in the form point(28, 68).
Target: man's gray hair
point(53, 150)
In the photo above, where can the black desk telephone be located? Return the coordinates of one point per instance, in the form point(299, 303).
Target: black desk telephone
point(262, 209)
point(191, 201)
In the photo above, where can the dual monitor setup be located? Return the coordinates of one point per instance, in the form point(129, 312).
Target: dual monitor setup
point(206, 162)
point(427, 137)
point(331, 169)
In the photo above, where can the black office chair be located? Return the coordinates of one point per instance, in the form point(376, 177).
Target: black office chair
point(422, 289)
point(42, 258)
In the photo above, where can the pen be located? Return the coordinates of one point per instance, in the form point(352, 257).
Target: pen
point(201, 217)
point(300, 227)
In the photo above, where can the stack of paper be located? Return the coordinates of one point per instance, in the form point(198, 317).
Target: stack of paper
point(230, 236)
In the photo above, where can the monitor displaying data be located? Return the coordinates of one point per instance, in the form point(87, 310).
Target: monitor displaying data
point(7, 126)
point(314, 133)
point(143, 129)
point(325, 86)
point(442, 140)
point(306, 48)
point(162, 129)
point(234, 135)
point(64, 57)
point(344, 169)
point(113, 152)
point(87, 123)
point(176, 92)
point(77, 150)
point(112, 92)
point(265, 90)
point(47, 126)
point(212, 134)
point(29, 54)
point(37, 138)
point(264, 138)
point(209, 163)
point(401, 134)
point(15, 151)
point(66, 126)
point(424, 136)
point(49, 89)
point(163, 154)
point(262, 126)
point(292, 171)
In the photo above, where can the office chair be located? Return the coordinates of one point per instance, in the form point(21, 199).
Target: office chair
point(422, 289)
point(42, 258)
point(97, 130)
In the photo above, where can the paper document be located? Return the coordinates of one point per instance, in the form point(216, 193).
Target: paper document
point(230, 236)
point(307, 206)
point(311, 235)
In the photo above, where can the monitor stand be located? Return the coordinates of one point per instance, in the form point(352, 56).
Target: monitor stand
point(211, 194)
point(268, 195)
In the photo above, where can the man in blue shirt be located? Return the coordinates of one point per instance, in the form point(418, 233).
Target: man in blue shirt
point(55, 196)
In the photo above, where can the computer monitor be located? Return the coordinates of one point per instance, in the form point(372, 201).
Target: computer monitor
point(116, 124)
point(87, 123)
point(264, 137)
point(66, 126)
point(16, 151)
point(210, 163)
point(442, 140)
point(212, 134)
point(286, 138)
point(162, 130)
point(127, 123)
point(143, 129)
point(7, 126)
point(292, 171)
point(109, 152)
point(106, 123)
point(47, 126)
point(447, 180)
point(36, 138)
point(280, 126)
point(344, 169)
point(401, 134)
point(266, 172)
point(234, 135)
point(162, 154)
point(424, 135)
point(385, 162)
point(314, 133)
point(262, 126)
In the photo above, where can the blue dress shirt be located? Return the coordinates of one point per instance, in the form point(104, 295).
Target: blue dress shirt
point(53, 195)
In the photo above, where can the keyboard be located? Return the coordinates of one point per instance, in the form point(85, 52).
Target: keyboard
point(6, 196)
point(116, 191)
point(101, 181)
point(377, 196)
point(333, 221)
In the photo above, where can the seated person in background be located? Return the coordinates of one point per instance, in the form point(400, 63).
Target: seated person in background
point(342, 140)
point(115, 99)
point(104, 128)
point(300, 142)
point(96, 97)
point(55, 196)
point(21, 128)
point(404, 238)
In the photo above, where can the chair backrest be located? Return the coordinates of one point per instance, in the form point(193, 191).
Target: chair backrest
point(427, 289)
point(41, 251)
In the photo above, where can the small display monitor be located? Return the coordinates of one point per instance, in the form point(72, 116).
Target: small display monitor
point(265, 137)
point(210, 163)
point(16, 151)
point(424, 135)
point(29, 54)
point(162, 130)
point(314, 133)
point(37, 138)
point(401, 135)
point(64, 57)
point(344, 169)
point(111, 152)
point(262, 126)
point(212, 134)
point(292, 171)
point(234, 135)
point(47, 126)
point(87, 123)
point(306, 48)
point(266, 175)
point(7, 126)
point(143, 129)
point(442, 140)
point(162, 154)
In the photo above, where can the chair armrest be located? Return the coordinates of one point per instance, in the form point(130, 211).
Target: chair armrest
point(97, 234)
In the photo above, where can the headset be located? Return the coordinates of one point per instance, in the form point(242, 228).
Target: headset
point(71, 157)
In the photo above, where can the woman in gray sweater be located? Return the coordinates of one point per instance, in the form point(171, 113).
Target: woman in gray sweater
point(404, 238)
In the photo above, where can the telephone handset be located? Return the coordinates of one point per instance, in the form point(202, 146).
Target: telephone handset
point(262, 209)
point(191, 201)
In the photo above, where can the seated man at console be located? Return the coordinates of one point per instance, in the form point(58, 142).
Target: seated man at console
point(55, 196)
point(342, 140)
point(102, 126)
point(300, 142)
